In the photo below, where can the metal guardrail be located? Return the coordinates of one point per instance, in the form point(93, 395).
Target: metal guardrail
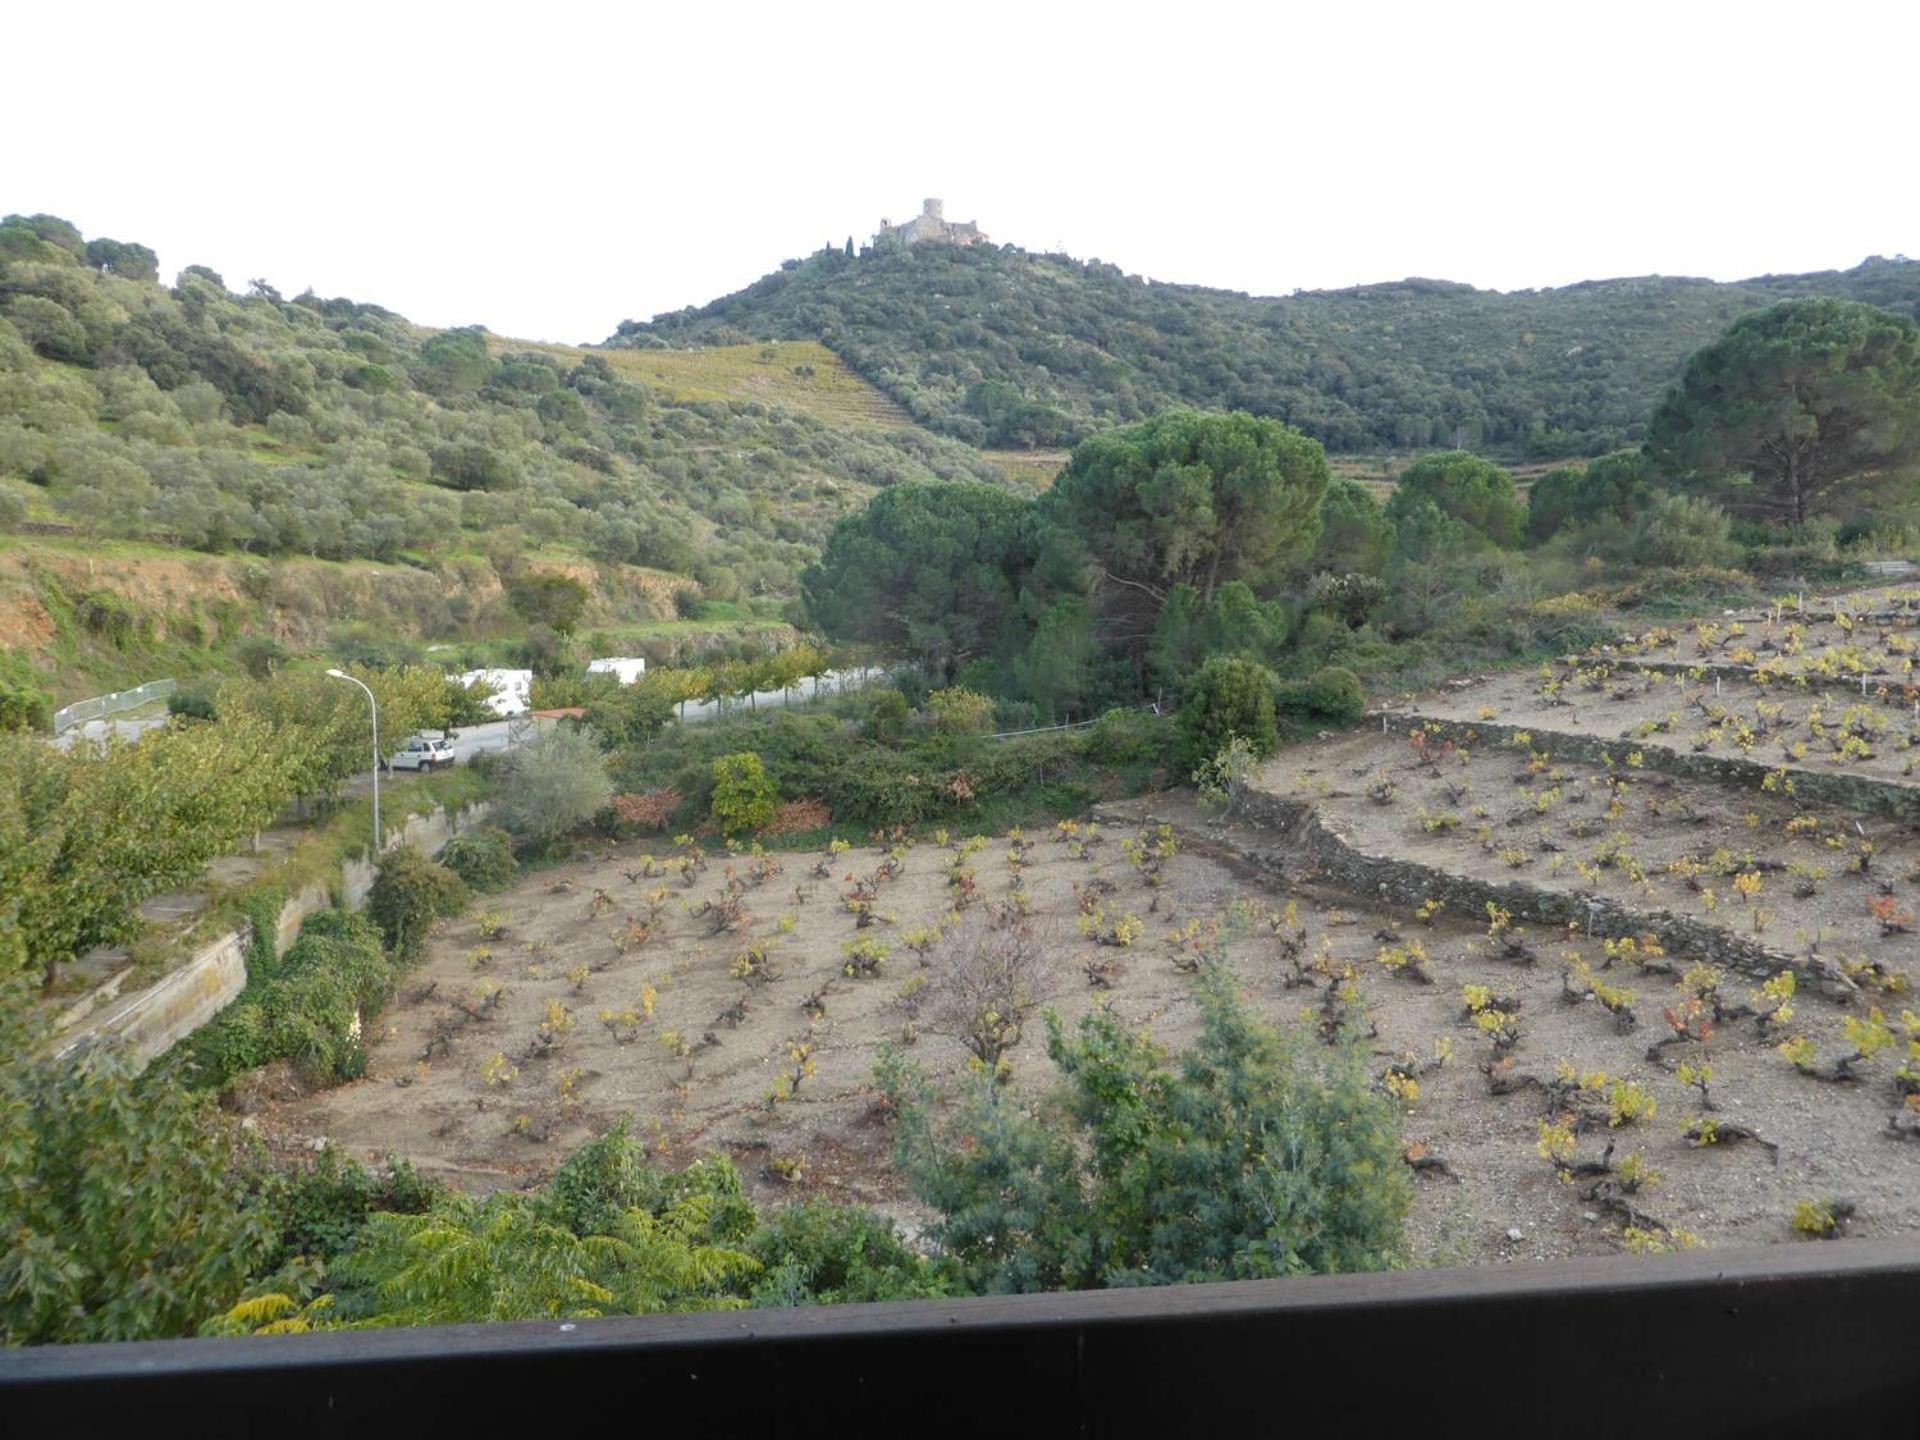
point(1151, 707)
point(1808, 1339)
point(120, 701)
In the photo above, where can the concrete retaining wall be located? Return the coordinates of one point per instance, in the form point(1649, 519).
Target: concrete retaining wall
point(153, 1021)
point(158, 1018)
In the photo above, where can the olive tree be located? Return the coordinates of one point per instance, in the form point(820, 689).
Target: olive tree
point(553, 786)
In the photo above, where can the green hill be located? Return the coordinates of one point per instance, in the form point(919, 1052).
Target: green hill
point(1000, 347)
point(266, 429)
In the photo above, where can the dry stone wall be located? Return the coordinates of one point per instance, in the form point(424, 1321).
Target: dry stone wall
point(1849, 792)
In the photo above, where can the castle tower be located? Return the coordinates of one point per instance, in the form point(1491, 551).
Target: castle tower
point(933, 210)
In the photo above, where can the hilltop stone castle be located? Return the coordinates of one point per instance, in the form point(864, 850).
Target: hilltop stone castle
point(929, 226)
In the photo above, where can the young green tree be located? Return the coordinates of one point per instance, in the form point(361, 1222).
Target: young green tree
point(87, 835)
point(409, 893)
point(1801, 410)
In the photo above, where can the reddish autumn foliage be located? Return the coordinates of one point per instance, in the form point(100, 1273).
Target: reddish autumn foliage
point(650, 811)
point(797, 817)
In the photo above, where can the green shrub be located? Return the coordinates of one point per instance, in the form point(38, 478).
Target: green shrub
point(1333, 695)
point(310, 1009)
point(192, 705)
point(959, 711)
point(319, 1209)
point(743, 796)
point(1352, 597)
point(262, 906)
point(106, 615)
point(409, 893)
point(1127, 737)
point(886, 719)
point(817, 1253)
point(24, 706)
point(1680, 532)
point(880, 787)
point(605, 1178)
point(232, 1043)
point(1258, 1152)
point(260, 655)
point(1228, 697)
point(482, 858)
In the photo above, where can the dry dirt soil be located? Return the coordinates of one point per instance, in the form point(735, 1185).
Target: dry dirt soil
point(428, 1096)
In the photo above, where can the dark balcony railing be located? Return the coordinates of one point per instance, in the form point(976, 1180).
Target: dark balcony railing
point(1810, 1340)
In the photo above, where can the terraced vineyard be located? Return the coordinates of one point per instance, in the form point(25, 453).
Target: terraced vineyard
point(1745, 856)
point(1633, 987)
point(800, 375)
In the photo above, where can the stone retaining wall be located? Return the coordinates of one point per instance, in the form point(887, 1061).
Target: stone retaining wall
point(1850, 792)
point(1392, 880)
point(156, 1019)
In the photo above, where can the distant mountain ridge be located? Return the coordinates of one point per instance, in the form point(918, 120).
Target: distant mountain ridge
point(1001, 347)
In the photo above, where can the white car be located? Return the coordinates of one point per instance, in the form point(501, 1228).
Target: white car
point(423, 754)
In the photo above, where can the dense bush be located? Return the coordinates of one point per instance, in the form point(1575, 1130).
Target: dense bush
point(959, 711)
point(131, 1206)
point(1352, 597)
point(743, 796)
point(1333, 695)
point(409, 893)
point(815, 1253)
point(1681, 531)
point(309, 1007)
point(192, 705)
point(24, 705)
point(1228, 697)
point(1254, 1154)
point(1127, 737)
point(320, 1208)
point(483, 858)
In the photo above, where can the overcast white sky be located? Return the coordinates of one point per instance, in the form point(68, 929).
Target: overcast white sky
point(548, 170)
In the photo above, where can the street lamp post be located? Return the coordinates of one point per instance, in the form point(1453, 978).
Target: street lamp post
point(375, 704)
